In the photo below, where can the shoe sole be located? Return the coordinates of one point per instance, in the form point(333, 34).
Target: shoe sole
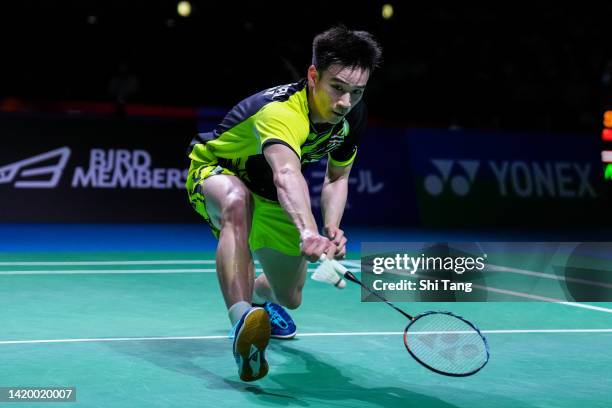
point(250, 345)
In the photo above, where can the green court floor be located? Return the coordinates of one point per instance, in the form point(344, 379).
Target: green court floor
point(150, 330)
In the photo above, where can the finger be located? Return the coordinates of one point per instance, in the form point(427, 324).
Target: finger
point(341, 244)
point(313, 251)
point(324, 248)
point(309, 251)
point(330, 251)
point(307, 248)
point(341, 254)
point(339, 238)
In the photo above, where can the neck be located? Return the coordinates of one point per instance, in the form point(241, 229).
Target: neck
point(312, 111)
point(321, 127)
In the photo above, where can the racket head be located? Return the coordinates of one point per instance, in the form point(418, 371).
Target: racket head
point(446, 343)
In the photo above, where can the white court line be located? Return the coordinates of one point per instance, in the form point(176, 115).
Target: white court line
point(517, 271)
point(583, 306)
point(520, 294)
point(92, 263)
point(121, 271)
point(356, 263)
point(115, 339)
point(543, 298)
point(106, 271)
point(498, 268)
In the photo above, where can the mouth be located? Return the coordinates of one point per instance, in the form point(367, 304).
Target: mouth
point(338, 114)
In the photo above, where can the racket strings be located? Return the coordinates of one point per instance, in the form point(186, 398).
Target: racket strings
point(446, 343)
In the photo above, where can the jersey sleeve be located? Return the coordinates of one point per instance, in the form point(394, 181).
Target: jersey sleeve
point(346, 153)
point(277, 123)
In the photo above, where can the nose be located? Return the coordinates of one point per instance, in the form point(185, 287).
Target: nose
point(345, 102)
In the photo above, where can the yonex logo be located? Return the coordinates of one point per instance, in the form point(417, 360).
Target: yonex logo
point(517, 178)
point(460, 183)
point(450, 346)
point(47, 165)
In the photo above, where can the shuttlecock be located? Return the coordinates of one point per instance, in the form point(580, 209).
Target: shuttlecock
point(338, 267)
point(326, 272)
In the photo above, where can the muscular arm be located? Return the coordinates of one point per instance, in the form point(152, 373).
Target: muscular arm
point(293, 196)
point(333, 201)
point(291, 186)
point(334, 194)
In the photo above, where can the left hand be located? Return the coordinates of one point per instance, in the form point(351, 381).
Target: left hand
point(336, 235)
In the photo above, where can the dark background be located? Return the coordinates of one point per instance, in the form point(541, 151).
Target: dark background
point(524, 85)
point(543, 66)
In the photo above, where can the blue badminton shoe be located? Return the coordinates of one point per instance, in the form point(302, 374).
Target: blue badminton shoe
point(282, 324)
point(251, 337)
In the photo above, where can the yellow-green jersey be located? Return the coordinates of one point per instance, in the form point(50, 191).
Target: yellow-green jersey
point(276, 115)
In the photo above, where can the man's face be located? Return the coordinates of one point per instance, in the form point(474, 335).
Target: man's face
point(335, 91)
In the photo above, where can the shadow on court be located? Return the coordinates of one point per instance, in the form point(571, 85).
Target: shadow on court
point(327, 382)
point(186, 357)
point(320, 383)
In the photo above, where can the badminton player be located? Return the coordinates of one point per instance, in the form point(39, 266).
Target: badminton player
point(246, 181)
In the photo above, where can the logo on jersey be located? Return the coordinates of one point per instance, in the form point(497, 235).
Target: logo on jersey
point(313, 152)
point(278, 91)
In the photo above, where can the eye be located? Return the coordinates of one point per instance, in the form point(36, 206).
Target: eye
point(337, 87)
point(358, 92)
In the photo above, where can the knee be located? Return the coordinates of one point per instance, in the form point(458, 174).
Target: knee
point(291, 301)
point(236, 208)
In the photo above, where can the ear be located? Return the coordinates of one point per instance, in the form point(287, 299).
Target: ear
point(313, 76)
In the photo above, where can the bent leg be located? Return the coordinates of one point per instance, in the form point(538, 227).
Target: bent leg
point(225, 202)
point(229, 205)
point(283, 278)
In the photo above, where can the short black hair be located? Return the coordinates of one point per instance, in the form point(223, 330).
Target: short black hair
point(345, 47)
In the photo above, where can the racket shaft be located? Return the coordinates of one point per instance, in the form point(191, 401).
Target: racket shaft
point(348, 275)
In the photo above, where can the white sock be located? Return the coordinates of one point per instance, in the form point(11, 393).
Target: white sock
point(236, 311)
